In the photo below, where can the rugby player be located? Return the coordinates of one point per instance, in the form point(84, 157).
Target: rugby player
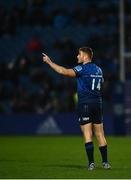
point(89, 84)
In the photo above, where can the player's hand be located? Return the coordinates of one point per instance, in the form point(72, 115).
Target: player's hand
point(46, 59)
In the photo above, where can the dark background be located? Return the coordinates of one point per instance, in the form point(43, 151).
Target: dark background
point(59, 28)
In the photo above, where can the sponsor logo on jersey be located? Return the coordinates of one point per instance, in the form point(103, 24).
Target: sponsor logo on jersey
point(78, 68)
point(95, 75)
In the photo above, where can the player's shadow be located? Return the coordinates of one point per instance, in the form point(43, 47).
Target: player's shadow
point(67, 166)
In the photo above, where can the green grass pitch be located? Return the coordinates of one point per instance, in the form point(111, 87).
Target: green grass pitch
point(60, 157)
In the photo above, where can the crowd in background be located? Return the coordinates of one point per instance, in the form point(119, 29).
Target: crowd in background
point(58, 28)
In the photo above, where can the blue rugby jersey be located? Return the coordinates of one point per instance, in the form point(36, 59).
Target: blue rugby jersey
point(89, 82)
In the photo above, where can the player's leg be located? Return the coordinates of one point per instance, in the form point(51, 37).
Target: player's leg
point(85, 122)
point(87, 134)
point(97, 116)
point(99, 132)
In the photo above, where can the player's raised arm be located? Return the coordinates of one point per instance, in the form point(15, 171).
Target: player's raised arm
point(57, 68)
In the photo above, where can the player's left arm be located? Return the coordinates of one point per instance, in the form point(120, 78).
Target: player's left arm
point(59, 69)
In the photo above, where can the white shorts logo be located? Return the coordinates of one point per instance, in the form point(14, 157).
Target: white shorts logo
point(85, 118)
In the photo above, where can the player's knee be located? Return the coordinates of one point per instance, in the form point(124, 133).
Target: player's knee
point(88, 136)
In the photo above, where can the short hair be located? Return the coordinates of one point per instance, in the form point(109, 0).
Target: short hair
point(87, 50)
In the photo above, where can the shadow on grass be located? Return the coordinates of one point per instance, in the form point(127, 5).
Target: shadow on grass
point(66, 166)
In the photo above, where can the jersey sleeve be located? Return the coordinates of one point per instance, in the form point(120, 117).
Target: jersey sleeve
point(78, 70)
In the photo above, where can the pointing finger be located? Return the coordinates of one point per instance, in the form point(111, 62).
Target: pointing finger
point(44, 54)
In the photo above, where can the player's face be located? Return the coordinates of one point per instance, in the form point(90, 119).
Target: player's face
point(81, 57)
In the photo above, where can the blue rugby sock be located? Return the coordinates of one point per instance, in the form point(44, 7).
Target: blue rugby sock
point(90, 151)
point(103, 150)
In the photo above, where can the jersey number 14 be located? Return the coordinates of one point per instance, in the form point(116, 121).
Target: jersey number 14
point(95, 84)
